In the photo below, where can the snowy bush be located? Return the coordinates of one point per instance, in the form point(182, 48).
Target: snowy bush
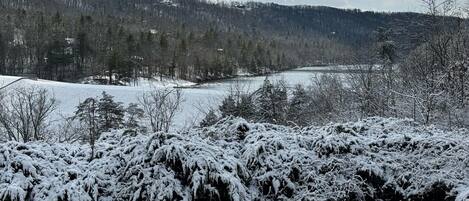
point(387, 159)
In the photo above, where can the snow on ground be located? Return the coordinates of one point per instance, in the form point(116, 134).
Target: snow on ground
point(198, 98)
point(374, 159)
point(142, 82)
point(69, 95)
point(5, 80)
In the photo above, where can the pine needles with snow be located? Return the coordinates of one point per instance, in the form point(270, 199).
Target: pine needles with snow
point(234, 160)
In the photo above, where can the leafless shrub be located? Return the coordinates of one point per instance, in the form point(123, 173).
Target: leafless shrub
point(71, 130)
point(160, 107)
point(24, 113)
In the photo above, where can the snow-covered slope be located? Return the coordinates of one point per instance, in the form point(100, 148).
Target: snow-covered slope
point(373, 159)
point(143, 82)
point(69, 95)
point(196, 100)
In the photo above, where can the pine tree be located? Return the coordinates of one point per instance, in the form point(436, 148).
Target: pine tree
point(280, 102)
point(111, 113)
point(134, 114)
point(246, 107)
point(210, 119)
point(113, 63)
point(298, 109)
point(164, 45)
point(266, 107)
point(3, 52)
point(87, 113)
point(273, 102)
point(82, 51)
point(228, 107)
point(58, 57)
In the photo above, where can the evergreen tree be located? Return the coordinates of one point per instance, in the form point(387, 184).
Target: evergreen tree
point(58, 57)
point(210, 119)
point(280, 102)
point(164, 45)
point(130, 52)
point(228, 107)
point(3, 52)
point(111, 113)
point(273, 102)
point(134, 114)
point(87, 114)
point(386, 48)
point(266, 107)
point(299, 106)
point(82, 51)
point(113, 64)
point(246, 108)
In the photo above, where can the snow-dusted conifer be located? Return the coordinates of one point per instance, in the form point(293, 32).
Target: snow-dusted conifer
point(280, 101)
point(210, 119)
point(374, 159)
point(273, 100)
point(87, 113)
point(299, 106)
point(265, 101)
point(246, 107)
point(134, 114)
point(228, 107)
point(111, 113)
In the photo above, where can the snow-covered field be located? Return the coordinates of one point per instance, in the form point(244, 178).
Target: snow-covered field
point(69, 95)
point(374, 159)
point(198, 99)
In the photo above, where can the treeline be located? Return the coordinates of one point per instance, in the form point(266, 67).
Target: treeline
point(430, 85)
point(187, 39)
point(60, 46)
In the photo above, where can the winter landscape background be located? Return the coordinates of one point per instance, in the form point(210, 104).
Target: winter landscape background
point(204, 100)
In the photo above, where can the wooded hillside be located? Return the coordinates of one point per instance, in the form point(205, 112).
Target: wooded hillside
point(187, 39)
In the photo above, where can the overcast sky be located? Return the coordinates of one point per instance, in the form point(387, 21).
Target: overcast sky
point(375, 5)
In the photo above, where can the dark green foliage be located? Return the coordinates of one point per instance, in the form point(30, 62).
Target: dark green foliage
point(3, 52)
point(269, 104)
point(299, 106)
point(228, 106)
point(246, 108)
point(195, 40)
point(273, 102)
point(111, 113)
point(238, 105)
point(59, 55)
point(87, 114)
point(134, 114)
point(385, 46)
point(210, 119)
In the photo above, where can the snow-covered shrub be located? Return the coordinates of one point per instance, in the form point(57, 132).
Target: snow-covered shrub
point(230, 128)
point(374, 159)
point(171, 167)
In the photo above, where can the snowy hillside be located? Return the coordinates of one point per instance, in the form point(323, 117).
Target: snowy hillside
point(197, 99)
point(69, 95)
point(233, 160)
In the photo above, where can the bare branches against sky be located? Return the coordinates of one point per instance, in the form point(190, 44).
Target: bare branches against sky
point(374, 5)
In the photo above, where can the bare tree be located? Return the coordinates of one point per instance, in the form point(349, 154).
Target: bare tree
point(434, 75)
point(330, 100)
point(71, 130)
point(160, 107)
point(24, 113)
point(440, 7)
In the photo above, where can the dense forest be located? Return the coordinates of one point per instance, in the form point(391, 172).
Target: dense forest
point(391, 124)
point(67, 40)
